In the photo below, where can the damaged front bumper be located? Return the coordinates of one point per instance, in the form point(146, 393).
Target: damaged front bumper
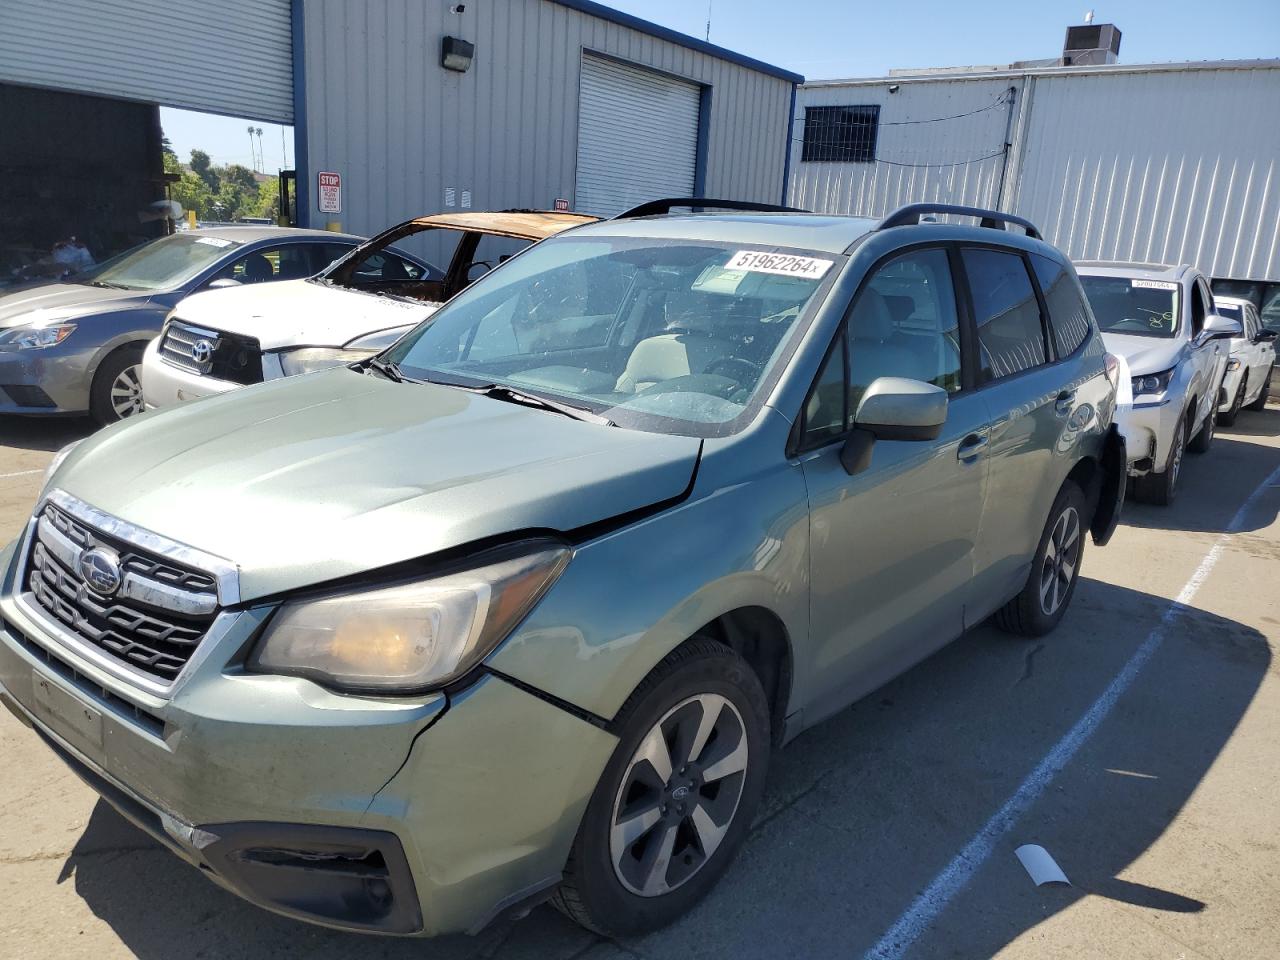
point(411, 816)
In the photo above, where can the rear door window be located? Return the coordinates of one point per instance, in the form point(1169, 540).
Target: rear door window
point(1068, 314)
point(1006, 312)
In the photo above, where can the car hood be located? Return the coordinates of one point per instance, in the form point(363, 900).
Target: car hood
point(294, 313)
point(52, 302)
point(303, 480)
point(1146, 354)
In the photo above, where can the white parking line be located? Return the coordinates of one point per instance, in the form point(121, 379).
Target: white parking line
point(20, 473)
point(909, 927)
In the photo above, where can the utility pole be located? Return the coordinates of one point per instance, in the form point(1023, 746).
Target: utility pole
point(709, 21)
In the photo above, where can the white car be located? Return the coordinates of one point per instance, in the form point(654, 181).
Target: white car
point(1160, 319)
point(1249, 364)
point(224, 339)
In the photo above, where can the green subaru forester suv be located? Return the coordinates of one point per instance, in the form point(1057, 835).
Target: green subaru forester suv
point(517, 609)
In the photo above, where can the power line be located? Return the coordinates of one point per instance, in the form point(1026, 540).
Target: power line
point(999, 101)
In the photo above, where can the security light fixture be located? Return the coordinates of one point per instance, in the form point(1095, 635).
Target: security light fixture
point(893, 88)
point(456, 54)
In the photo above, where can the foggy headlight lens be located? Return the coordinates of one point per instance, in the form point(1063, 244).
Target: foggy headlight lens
point(311, 359)
point(1152, 384)
point(414, 636)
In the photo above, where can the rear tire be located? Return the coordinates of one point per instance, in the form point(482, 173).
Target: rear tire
point(1054, 571)
point(1161, 488)
point(1260, 402)
point(676, 800)
point(117, 386)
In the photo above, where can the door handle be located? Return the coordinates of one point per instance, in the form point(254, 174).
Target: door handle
point(1066, 400)
point(971, 447)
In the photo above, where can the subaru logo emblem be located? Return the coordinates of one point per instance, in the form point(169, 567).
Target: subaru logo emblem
point(202, 351)
point(100, 569)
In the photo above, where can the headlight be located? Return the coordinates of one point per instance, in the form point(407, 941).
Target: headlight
point(311, 359)
point(1152, 384)
point(35, 338)
point(56, 462)
point(411, 637)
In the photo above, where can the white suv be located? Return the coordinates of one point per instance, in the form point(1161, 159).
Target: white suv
point(1250, 361)
point(1160, 319)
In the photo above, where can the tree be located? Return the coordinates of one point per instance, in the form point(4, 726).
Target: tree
point(201, 166)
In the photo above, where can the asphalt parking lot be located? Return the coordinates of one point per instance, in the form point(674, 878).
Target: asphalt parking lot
point(1138, 744)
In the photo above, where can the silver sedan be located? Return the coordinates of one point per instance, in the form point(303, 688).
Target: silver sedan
point(75, 346)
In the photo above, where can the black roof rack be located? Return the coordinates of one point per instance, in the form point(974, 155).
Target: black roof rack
point(912, 212)
point(656, 208)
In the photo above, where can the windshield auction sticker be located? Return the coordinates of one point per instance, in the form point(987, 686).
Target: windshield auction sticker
point(783, 264)
point(1152, 285)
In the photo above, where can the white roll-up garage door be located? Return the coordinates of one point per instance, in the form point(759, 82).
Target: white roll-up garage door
point(637, 136)
point(233, 57)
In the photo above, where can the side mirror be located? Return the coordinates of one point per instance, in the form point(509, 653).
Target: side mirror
point(222, 283)
point(1266, 336)
point(893, 408)
point(1218, 327)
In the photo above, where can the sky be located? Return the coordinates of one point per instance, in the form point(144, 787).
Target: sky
point(824, 39)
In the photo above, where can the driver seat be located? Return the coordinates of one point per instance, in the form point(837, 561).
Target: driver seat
point(667, 356)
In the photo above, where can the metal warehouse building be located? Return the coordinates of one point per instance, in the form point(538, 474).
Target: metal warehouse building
point(1169, 163)
point(416, 105)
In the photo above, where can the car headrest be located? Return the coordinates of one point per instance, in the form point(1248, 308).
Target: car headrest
point(871, 318)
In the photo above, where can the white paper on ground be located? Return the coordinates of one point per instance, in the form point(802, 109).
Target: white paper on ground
point(1042, 867)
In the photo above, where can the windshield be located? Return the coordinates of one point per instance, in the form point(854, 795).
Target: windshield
point(1144, 308)
point(161, 264)
point(663, 335)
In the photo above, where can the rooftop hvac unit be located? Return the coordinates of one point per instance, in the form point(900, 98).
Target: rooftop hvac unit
point(1091, 43)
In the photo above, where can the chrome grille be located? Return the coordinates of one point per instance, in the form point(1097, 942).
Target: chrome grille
point(152, 622)
point(178, 341)
point(226, 356)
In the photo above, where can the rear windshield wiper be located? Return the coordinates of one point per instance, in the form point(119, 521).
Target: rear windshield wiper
point(500, 391)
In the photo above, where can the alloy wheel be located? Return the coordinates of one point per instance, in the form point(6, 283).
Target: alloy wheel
point(679, 795)
point(126, 392)
point(1061, 555)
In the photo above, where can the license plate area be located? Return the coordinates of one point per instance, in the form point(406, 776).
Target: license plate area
point(66, 713)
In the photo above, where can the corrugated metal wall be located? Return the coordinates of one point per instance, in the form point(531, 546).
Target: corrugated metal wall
point(919, 155)
point(1169, 166)
point(233, 57)
point(1170, 163)
point(400, 129)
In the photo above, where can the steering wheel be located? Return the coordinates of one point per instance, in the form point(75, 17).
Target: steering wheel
point(735, 368)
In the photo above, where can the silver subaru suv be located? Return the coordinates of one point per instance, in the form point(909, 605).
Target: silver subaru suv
point(518, 609)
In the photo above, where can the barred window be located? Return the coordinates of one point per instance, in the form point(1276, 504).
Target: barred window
point(841, 133)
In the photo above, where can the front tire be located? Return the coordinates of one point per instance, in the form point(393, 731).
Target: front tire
point(117, 386)
point(676, 800)
point(1161, 488)
point(1228, 417)
point(1260, 401)
point(1203, 440)
point(1054, 571)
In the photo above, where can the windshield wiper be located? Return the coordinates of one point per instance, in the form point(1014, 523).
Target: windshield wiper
point(389, 369)
point(499, 391)
point(108, 286)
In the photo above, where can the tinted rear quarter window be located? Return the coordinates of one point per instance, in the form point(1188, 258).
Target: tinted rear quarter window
point(1068, 314)
point(1006, 312)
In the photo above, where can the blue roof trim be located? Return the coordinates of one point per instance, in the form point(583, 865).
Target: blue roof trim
point(674, 36)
